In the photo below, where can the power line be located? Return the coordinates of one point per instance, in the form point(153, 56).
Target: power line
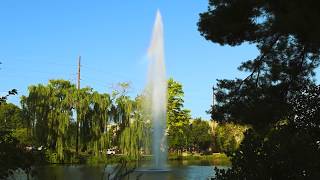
point(94, 69)
point(40, 62)
point(87, 76)
point(35, 69)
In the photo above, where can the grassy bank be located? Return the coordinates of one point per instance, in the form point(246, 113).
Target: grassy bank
point(219, 159)
point(71, 157)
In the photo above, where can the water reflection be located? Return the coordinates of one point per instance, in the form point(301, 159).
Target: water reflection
point(178, 170)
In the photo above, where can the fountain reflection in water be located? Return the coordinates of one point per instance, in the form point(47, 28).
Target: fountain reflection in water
point(157, 86)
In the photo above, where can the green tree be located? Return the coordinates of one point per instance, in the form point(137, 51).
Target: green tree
point(121, 108)
point(177, 117)
point(81, 102)
point(35, 110)
point(99, 121)
point(228, 136)
point(10, 117)
point(136, 138)
point(12, 155)
point(48, 110)
point(200, 135)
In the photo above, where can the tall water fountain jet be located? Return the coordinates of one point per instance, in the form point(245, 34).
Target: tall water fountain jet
point(157, 87)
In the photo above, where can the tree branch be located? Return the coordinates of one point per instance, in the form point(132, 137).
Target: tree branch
point(11, 92)
point(258, 63)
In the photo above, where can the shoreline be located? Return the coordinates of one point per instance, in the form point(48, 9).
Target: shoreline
point(218, 159)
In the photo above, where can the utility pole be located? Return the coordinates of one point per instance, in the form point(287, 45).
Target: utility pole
point(78, 118)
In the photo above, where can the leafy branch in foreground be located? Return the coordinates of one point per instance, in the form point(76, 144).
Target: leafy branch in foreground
point(4, 98)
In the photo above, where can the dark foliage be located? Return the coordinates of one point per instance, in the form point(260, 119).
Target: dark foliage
point(285, 34)
point(4, 98)
point(263, 97)
point(278, 97)
point(291, 150)
point(236, 21)
point(306, 109)
point(13, 156)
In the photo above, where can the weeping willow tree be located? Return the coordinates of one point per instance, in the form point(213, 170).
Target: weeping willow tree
point(62, 118)
point(83, 98)
point(35, 111)
point(60, 114)
point(48, 110)
point(135, 138)
point(63, 103)
point(124, 110)
point(101, 104)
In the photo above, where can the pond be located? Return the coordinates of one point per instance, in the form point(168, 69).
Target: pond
point(177, 170)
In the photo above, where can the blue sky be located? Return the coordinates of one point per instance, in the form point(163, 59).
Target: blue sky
point(41, 40)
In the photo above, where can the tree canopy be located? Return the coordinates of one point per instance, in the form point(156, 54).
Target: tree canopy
point(199, 134)
point(10, 117)
point(286, 34)
point(289, 54)
point(290, 150)
point(178, 118)
point(237, 21)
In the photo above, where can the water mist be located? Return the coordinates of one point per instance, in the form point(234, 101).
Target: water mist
point(157, 90)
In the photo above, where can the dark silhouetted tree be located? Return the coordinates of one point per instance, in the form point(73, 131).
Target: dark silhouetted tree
point(286, 34)
point(290, 150)
point(289, 53)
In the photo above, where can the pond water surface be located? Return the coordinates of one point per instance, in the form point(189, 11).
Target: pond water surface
point(177, 170)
